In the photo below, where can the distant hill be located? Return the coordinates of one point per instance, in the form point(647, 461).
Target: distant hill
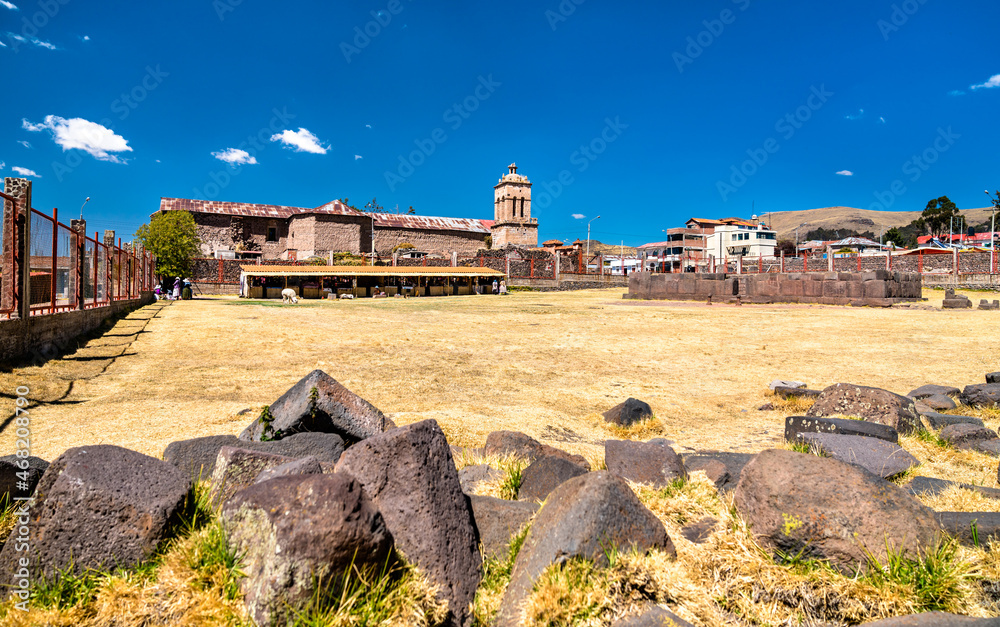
point(850, 218)
point(607, 249)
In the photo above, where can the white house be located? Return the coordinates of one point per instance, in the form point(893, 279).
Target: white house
point(741, 239)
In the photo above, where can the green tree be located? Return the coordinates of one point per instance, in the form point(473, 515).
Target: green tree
point(899, 238)
point(939, 213)
point(173, 238)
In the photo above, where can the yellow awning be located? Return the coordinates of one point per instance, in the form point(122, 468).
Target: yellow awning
point(374, 271)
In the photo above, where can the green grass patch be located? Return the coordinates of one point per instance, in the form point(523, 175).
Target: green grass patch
point(937, 578)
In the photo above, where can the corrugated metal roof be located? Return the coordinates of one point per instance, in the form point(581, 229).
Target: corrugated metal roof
point(405, 271)
point(277, 212)
point(401, 221)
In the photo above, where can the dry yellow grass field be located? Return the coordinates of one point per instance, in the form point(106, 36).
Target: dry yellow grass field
point(543, 363)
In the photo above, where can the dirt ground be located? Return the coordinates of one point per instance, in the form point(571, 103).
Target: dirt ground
point(544, 363)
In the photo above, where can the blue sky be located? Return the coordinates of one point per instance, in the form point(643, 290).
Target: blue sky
point(643, 113)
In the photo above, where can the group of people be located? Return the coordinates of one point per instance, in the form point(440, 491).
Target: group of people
point(163, 289)
point(500, 288)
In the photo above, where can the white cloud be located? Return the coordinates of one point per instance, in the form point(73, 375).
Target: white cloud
point(2, 164)
point(85, 37)
point(77, 133)
point(2, 44)
point(855, 116)
point(301, 141)
point(990, 84)
point(368, 125)
point(34, 40)
point(24, 143)
point(25, 172)
point(956, 92)
point(881, 120)
point(845, 173)
point(9, 5)
point(358, 157)
point(578, 216)
point(235, 156)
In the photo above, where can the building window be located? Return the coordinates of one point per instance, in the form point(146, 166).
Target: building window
point(272, 233)
point(522, 207)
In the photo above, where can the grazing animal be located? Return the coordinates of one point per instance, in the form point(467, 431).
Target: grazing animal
point(288, 295)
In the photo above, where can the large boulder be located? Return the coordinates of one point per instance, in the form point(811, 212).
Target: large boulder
point(971, 528)
point(874, 404)
point(19, 476)
point(628, 412)
point(939, 402)
point(238, 468)
point(993, 377)
point(981, 395)
point(302, 466)
point(319, 403)
point(97, 507)
point(966, 435)
point(709, 460)
point(544, 475)
point(940, 421)
point(197, 456)
point(932, 487)
point(879, 457)
point(498, 520)
point(517, 444)
point(654, 463)
point(925, 391)
point(411, 477)
point(294, 531)
point(581, 518)
point(828, 509)
point(794, 425)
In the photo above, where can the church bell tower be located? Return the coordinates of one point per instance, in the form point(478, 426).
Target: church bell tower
point(513, 223)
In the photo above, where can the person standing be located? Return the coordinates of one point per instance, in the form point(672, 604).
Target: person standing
point(503, 288)
point(177, 288)
point(496, 288)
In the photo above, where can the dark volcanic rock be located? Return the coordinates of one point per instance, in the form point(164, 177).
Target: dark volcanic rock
point(960, 525)
point(700, 531)
point(410, 475)
point(734, 463)
point(198, 456)
point(966, 435)
point(932, 486)
point(643, 462)
point(940, 421)
point(879, 457)
point(581, 518)
point(827, 509)
point(873, 404)
point(303, 466)
point(238, 468)
point(982, 395)
point(544, 475)
point(498, 520)
point(925, 391)
point(939, 402)
point(654, 616)
point(628, 413)
point(97, 507)
point(794, 425)
point(715, 470)
point(19, 476)
point(295, 530)
point(515, 443)
point(993, 377)
point(318, 403)
point(798, 392)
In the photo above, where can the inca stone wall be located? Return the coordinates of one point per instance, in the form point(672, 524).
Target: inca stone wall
point(878, 288)
point(429, 241)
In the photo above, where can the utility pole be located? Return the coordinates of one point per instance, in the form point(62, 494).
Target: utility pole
point(588, 239)
point(993, 226)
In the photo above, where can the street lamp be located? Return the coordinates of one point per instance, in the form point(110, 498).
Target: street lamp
point(797, 237)
point(993, 226)
point(82, 206)
point(373, 239)
point(588, 239)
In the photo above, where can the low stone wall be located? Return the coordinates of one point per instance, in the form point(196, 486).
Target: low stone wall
point(44, 335)
point(878, 288)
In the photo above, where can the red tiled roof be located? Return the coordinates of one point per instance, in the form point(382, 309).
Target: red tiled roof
point(278, 212)
point(401, 221)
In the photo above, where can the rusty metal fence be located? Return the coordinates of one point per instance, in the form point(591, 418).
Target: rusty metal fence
point(56, 268)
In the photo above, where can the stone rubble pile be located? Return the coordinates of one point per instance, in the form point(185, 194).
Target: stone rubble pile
point(322, 481)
